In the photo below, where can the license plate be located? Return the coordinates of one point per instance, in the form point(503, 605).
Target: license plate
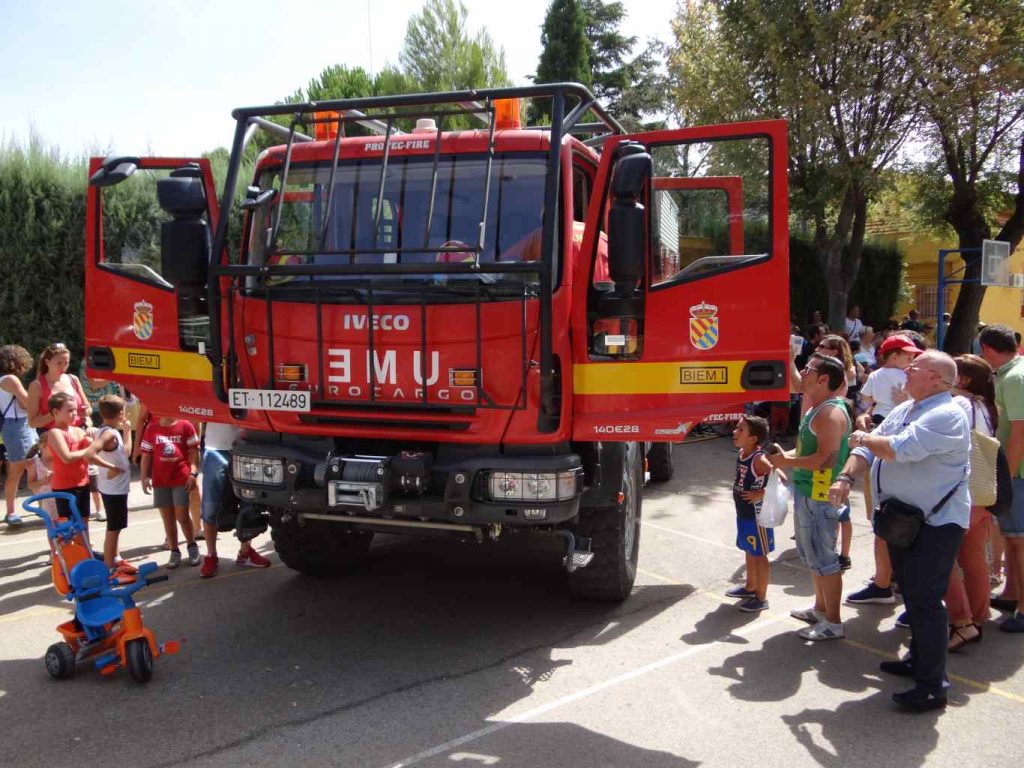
point(268, 399)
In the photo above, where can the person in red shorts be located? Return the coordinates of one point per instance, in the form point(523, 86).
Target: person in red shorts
point(170, 466)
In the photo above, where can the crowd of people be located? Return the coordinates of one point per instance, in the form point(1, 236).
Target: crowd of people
point(81, 437)
point(904, 417)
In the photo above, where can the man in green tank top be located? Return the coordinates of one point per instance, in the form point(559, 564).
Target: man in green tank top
point(819, 456)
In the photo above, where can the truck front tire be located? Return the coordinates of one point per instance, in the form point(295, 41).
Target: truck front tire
point(320, 549)
point(614, 534)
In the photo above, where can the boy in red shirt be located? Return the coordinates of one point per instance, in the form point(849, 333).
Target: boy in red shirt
point(170, 466)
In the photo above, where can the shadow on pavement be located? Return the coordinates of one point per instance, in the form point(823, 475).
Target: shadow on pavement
point(272, 650)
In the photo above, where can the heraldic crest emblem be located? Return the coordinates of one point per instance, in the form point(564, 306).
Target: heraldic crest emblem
point(142, 322)
point(704, 325)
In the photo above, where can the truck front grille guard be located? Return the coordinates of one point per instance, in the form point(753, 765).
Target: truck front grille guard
point(364, 286)
point(480, 105)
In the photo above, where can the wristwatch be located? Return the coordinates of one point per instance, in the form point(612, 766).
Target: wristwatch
point(846, 477)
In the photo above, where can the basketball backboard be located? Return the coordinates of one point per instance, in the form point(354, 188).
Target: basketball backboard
point(995, 263)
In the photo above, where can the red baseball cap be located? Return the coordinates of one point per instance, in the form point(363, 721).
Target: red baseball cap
point(900, 343)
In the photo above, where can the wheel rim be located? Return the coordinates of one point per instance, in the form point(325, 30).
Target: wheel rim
point(53, 665)
point(629, 489)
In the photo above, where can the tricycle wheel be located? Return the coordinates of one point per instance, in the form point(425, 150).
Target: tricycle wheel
point(60, 661)
point(140, 659)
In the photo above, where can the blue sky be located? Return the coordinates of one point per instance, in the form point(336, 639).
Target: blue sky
point(149, 77)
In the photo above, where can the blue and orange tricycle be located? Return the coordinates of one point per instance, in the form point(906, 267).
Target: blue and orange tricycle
point(107, 628)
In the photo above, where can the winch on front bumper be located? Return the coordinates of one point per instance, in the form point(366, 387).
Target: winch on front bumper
point(484, 490)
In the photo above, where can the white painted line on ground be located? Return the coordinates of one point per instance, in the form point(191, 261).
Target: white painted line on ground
point(92, 529)
point(574, 697)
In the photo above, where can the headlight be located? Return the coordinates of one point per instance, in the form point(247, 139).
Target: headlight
point(532, 486)
point(257, 469)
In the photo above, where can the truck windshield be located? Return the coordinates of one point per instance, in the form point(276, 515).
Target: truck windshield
point(423, 218)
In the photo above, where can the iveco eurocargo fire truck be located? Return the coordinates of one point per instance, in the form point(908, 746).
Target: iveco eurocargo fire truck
point(428, 317)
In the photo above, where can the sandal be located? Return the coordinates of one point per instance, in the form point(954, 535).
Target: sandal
point(958, 638)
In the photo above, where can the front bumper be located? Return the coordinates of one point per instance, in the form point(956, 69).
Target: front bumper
point(454, 492)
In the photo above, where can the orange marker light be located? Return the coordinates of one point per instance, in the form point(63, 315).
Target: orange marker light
point(291, 372)
point(506, 114)
point(327, 129)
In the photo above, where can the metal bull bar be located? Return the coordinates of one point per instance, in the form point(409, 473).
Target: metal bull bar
point(377, 112)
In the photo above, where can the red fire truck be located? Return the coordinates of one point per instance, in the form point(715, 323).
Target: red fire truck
point(430, 318)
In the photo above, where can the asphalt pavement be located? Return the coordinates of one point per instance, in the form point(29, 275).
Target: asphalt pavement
point(438, 653)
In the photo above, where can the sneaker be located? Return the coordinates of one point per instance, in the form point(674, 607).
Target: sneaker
point(193, 554)
point(13, 520)
point(210, 566)
point(902, 621)
point(175, 559)
point(917, 700)
point(901, 668)
point(101, 516)
point(753, 605)
point(823, 630)
point(253, 558)
point(740, 593)
point(872, 593)
point(809, 615)
point(845, 563)
point(1013, 624)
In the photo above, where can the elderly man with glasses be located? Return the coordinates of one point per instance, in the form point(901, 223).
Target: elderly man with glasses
point(920, 455)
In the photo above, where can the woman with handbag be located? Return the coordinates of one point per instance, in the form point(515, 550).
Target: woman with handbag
point(967, 597)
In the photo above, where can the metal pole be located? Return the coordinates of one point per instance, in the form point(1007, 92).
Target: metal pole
point(940, 301)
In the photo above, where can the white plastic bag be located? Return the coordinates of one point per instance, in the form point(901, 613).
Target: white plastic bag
point(776, 502)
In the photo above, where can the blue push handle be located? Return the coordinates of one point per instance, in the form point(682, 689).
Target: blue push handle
point(56, 530)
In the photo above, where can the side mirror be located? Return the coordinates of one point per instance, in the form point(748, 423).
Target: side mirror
point(256, 198)
point(626, 230)
point(182, 195)
point(113, 171)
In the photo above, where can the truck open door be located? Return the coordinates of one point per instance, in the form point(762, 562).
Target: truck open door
point(148, 227)
point(691, 315)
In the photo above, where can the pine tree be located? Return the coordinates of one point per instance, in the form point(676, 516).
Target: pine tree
point(564, 50)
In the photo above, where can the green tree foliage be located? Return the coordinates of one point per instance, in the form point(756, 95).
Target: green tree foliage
point(440, 55)
point(628, 87)
point(837, 71)
point(608, 49)
point(876, 291)
point(968, 61)
point(42, 243)
point(564, 56)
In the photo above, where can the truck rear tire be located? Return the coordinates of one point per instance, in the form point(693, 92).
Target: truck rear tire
point(659, 462)
point(614, 534)
point(320, 549)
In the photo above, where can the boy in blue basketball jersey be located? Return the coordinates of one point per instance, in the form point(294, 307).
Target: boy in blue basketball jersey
point(752, 470)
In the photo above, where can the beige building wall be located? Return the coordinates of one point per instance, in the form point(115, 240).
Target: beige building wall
point(1001, 305)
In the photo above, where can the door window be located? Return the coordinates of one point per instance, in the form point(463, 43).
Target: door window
point(130, 232)
point(710, 208)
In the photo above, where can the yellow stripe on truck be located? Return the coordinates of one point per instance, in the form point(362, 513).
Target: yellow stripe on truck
point(718, 377)
point(159, 363)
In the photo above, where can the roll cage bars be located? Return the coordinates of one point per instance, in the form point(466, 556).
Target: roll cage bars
point(379, 115)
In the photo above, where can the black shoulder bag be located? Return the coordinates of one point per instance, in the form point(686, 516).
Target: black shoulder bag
point(899, 523)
